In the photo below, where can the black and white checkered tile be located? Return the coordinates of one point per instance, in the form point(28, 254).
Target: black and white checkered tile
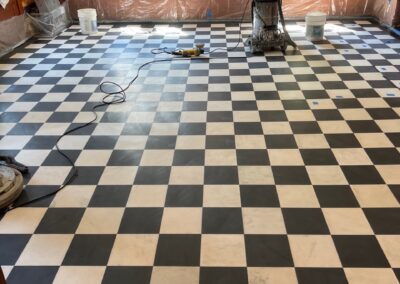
point(266, 169)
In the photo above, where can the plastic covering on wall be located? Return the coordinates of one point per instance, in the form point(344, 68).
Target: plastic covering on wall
point(13, 32)
point(52, 23)
point(181, 10)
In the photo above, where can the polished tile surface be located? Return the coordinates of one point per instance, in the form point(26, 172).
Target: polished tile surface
point(282, 168)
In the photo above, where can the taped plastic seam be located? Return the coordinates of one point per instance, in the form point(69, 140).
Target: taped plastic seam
point(181, 10)
point(13, 32)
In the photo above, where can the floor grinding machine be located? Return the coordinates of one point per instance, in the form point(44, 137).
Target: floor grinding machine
point(266, 16)
point(11, 181)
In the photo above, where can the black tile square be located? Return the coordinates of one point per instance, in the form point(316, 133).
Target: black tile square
point(318, 157)
point(364, 126)
point(184, 196)
point(244, 105)
point(114, 117)
point(219, 116)
point(141, 221)
point(32, 275)
point(396, 191)
point(88, 175)
point(223, 275)
point(295, 104)
point(394, 138)
point(167, 117)
point(31, 192)
point(382, 113)
point(222, 221)
point(268, 251)
point(273, 115)
point(54, 158)
point(136, 129)
point(46, 106)
point(60, 221)
point(194, 106)
point(360, 251)
point(89, 250)
point(305, 127)
point(252, 157)
point(384, 156)
point(259, 196)
point(342, 141)
point(347, 103)
point(110, 196)
point(101, 142)
point(321, 275)
point(362, 175)
point(178, 250)
point(125, 158)
point(335, 196)
point(280, 142)
point(192, 129)
point(220, 142)
point(127, 274)
point(327, 114)
point(304, 221)
point(248, 128)
point(60, 117)
point(384, 221)
point(11, 246)
point(290, 175)
point(25, 129)
point(189, 158)
point(152, 175)
point(161, 142)
point(221, 175)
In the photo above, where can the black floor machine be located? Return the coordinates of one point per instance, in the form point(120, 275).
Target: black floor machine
point(266, 16)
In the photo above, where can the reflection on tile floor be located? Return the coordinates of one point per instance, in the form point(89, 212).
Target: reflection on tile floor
point(266, 169)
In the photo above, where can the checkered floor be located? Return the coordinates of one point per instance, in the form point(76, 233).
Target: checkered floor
point(266, 169)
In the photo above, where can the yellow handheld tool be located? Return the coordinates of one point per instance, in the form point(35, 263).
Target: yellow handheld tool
point(196, 51)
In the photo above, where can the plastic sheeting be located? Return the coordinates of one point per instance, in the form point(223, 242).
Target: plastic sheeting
point(13, 32)
point(185, 10)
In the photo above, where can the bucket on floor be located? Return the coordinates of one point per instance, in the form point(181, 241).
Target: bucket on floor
point(88, 20)
point(315, 23)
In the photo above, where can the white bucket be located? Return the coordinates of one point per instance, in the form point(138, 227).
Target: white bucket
point(315, 23)
point(88, 20)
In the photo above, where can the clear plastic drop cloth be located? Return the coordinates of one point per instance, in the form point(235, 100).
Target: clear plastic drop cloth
point(185, 10)
point(13, 32)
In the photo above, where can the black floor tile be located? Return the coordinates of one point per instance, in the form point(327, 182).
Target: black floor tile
point(32, 275)
point(110, 196)
point(290, 175)
point(335, 196)
point(178, 250)
point(268, 251)
point(127, 275)
point(362, 175)
point(384, 221)
point(259, 196)
point(223, 275)
point(184, 196)
point(360, 251)
point(321, 275)
point(60, 221)
point(89, 250)
point(141, 221)
point(222, 221)
point(304, 221)
point(11, 246)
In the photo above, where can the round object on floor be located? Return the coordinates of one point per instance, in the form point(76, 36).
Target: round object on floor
point(11, 185)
